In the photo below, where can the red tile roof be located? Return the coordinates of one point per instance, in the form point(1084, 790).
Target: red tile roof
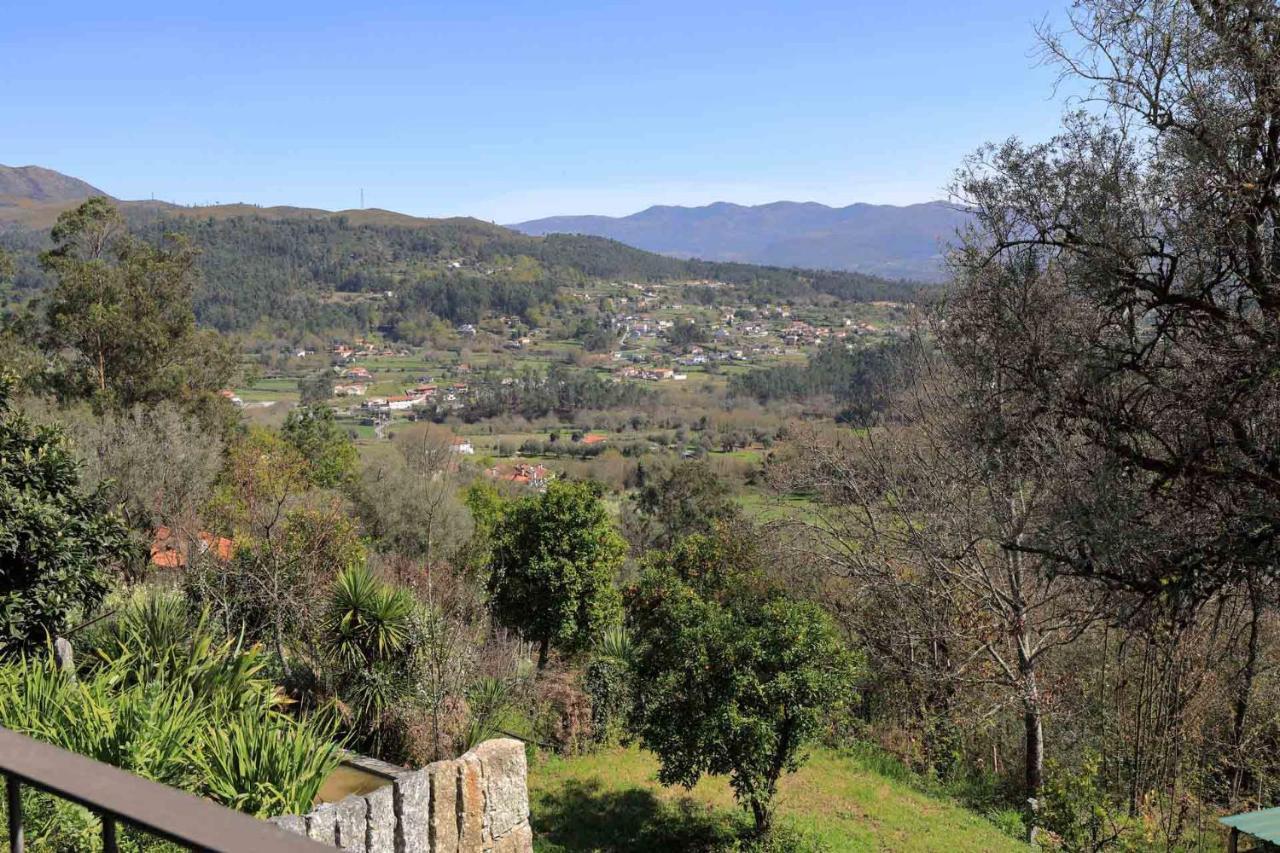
point(167, 549)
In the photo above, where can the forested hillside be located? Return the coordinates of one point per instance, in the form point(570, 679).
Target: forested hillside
point(330, 273)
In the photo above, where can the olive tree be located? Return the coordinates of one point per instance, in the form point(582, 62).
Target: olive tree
point(1153, 219)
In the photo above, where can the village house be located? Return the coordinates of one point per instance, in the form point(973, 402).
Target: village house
point(169, 550)
point(522, 474)
point(401, 402)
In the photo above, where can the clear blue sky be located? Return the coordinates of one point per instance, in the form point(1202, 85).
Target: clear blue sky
point(514, 110)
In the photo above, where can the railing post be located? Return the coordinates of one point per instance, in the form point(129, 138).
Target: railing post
point(109, 834)
point(13, 799)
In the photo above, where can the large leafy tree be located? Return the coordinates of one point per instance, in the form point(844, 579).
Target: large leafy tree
point(554, 560)
point(732, 675)
point(120, 314)
point(1117, 314)
point(1146, 235)
point(58, 543)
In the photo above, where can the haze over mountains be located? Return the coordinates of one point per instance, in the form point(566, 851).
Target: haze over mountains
point(896, 242)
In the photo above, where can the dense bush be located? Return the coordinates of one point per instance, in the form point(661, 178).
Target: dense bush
point(58, 542)
point(607, 683)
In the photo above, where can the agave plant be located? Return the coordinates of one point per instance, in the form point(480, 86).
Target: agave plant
point(615, 643)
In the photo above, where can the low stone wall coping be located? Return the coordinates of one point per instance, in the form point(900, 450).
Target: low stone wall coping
point(477, 803)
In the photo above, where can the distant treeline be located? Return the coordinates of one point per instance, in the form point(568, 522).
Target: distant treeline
point(860, 380)
point(296, 271)
point(560, 390)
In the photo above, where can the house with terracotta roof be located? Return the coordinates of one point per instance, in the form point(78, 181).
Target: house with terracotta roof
point(169, 550)
point(522, 474)
point(403, 401)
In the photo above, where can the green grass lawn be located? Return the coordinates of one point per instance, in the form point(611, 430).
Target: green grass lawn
point(763, 507)
point(279, 389)
point(612, 801)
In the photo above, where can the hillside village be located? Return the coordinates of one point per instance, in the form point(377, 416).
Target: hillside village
point(653, 342)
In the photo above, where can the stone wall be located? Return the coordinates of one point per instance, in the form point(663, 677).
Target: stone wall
point(478, 803)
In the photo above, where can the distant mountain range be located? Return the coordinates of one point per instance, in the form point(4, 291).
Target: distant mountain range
point(337, 264)
point(881, 239)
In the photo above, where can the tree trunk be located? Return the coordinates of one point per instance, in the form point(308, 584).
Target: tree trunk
point(1032, 720)
point(1035, 749)
point(763, 814)
point(544, 650)
point(1240, 774)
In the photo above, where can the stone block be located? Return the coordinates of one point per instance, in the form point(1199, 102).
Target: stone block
point(518, 840)
point(295, 823)
point(380, 822)
point(444, 806)
point(353, 823)
point(471, 811)
point(412, 792)
point(322, 825)
point(506, 785)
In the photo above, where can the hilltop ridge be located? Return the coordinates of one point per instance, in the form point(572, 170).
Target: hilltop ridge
point(906, 242)
point(38, 184)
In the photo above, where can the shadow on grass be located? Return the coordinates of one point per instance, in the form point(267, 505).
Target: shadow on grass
point(581, 816)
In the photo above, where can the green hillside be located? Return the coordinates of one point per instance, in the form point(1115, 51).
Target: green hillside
point(352, 272)
point(612, 801)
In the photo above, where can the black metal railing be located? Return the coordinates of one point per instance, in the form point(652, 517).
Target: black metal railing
point(120, 797)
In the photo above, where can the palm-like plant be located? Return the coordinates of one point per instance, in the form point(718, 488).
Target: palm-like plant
point(367, 635)
point(489, 698)
point(366, 620)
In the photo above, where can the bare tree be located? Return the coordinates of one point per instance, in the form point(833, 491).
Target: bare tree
point(411, 498)
point(929, 513)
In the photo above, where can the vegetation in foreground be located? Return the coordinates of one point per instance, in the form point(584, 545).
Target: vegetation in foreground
point(612, 801)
